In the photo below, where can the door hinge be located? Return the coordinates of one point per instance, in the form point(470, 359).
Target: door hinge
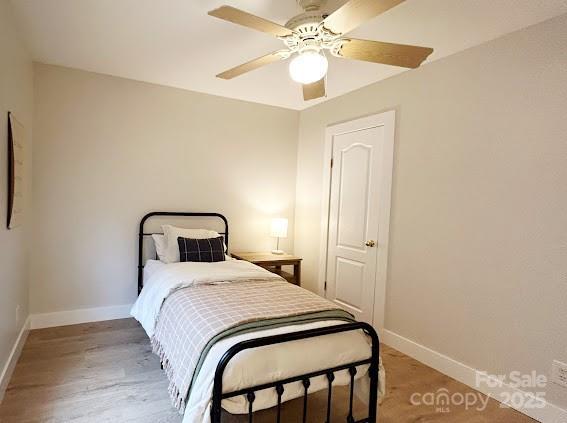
point(325, 287)
point(331, 162)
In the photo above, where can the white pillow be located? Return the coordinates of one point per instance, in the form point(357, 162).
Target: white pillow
point(160, 243)
point(171, 234)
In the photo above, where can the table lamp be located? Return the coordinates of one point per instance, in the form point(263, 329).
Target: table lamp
point(279, 230)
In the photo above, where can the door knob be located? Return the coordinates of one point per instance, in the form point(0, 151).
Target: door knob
point(370, 243)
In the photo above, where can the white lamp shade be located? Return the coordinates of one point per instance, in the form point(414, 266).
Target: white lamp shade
point(308, 67)
point(279, 228)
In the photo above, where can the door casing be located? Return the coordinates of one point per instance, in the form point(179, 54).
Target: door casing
point(387, 120)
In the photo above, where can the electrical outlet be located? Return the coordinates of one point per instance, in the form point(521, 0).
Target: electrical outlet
point(559, 373)
point(17, 314)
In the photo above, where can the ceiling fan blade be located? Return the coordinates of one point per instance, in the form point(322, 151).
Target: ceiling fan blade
point(240, 17)
point(355, 12)
point(314, 90)
point(251, 65)
point(387, 53)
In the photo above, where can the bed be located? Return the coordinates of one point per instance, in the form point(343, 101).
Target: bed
point(233, 336)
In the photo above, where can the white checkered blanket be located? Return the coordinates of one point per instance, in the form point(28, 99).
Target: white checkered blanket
point(194, 318)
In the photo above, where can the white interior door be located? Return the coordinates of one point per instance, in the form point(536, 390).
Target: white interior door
point(357, 190)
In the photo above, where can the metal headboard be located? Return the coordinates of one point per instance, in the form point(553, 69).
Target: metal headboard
point(142, 234)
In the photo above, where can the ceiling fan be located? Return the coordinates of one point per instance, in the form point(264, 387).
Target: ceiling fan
point(308, 35)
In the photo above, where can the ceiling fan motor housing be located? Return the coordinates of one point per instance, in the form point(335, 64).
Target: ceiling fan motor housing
point(308, 21)
point(311, 5)
point(309, 33)
point(305, 23)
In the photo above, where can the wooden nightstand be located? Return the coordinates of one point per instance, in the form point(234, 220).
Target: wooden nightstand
point(274, 263)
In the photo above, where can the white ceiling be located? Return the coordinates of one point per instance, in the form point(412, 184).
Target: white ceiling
point(175, 42)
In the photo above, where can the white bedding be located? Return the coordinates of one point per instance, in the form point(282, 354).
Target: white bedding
point(251, 367)
point(151, 267)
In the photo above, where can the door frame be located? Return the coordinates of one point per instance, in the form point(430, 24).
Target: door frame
point(388, 121)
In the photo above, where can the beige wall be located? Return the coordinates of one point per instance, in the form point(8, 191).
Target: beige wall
point(478, 252)
point(110, 149)
point(16, 95)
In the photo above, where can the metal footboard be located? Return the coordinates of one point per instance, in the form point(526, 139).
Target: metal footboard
point(279, 386)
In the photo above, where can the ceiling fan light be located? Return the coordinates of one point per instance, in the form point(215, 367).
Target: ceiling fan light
point(308, 67)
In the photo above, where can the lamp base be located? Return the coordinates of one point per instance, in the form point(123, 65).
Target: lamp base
point(278, 252)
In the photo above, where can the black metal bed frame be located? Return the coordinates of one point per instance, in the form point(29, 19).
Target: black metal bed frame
point(279, 386)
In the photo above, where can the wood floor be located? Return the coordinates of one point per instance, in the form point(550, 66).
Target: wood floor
point(106, 372)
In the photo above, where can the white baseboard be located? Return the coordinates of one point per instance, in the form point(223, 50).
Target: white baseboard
point(13, 358)
point(73, 317)
point(545, 411)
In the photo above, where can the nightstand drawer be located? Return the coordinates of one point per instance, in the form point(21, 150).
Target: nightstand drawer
point(274, 263)
point(290, 277)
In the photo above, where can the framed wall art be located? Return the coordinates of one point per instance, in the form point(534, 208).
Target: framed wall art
point(15, 172)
